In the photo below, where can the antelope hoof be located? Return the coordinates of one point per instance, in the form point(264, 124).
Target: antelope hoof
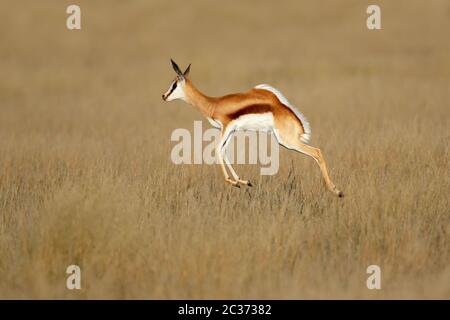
point(340, 194)
point(232, 182)
point(245, 182)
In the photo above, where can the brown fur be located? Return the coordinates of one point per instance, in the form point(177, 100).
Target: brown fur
point(232, 106)
point(256, 101)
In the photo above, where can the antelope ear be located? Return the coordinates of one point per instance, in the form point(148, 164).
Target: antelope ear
point(186, 72)
point(176, 68)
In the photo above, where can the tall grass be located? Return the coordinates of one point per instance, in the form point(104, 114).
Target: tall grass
point(86, 176)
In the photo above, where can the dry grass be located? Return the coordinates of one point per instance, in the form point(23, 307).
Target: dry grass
point(86, 176)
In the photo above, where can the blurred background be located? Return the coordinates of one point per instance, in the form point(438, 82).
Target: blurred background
point(86, 176)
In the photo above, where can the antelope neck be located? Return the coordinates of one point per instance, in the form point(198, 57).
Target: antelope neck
point(204, 104)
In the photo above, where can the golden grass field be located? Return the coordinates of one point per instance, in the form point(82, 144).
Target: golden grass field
point(86, 176)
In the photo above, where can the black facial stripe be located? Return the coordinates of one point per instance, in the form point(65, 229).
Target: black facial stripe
point(174, 86)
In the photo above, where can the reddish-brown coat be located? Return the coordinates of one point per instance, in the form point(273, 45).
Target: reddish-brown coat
point(230, 107)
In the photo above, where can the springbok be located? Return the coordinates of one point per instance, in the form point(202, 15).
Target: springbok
point(261, 108)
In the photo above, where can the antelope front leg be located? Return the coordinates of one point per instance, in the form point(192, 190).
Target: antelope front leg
point(224, 170)
point(245, 182)
point(234, 174)
point(224, 156)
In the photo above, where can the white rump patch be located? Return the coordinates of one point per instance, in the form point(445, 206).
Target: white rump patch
point(305, 137)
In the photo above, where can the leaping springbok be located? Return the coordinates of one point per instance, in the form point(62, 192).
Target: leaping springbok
point(261, 108)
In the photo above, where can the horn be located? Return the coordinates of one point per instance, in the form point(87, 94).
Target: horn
point(176, 68)
point(186, 72)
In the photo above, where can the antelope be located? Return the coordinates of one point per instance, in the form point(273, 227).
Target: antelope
point(261, 108)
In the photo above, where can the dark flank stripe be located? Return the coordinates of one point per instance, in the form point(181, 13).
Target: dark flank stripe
point(251, 109)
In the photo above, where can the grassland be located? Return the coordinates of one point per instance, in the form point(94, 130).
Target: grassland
point(86, 176)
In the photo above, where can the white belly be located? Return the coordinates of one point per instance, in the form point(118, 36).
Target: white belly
point(257, 122)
